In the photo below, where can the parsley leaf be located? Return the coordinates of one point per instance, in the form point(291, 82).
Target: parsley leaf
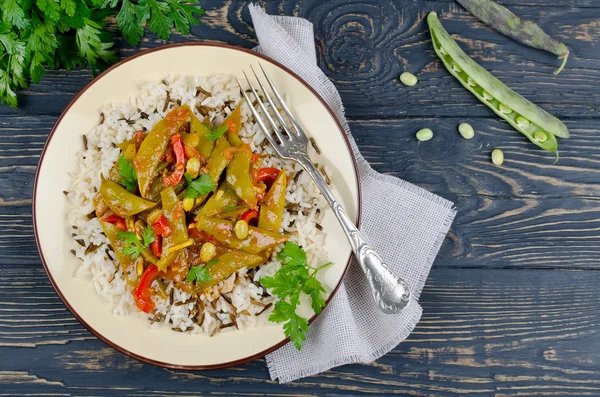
point(215, 133)
point(127, 173)
point(294, 277)
point(133, 246)
point(40, 34)
point(199, 186)
point(198, 273)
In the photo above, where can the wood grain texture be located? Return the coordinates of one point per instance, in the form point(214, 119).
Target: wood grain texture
point(511, 307)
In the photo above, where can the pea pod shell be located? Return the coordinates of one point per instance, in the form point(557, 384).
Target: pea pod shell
point(518, 29)
point(495, 87)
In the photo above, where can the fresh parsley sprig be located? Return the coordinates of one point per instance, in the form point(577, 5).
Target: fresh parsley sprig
point(215, 133)
point(294, 277)
point(127, 173)
point(199, 274)
point(199, 186)
point(53, 34)
point(133, 246)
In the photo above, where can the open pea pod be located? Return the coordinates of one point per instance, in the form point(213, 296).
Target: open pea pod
point(173, 211)
point(216, 164)
point(205, 146)
point(223, 198)
point(271, 208)
point(238, 175)
point(121, 201)
point(154, 145)
point(535, 123)
point(234, 123)
point(111, 232)
point(228, 263)
point(223, 230)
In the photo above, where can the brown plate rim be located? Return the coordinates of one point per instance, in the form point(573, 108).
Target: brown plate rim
point(57, 289)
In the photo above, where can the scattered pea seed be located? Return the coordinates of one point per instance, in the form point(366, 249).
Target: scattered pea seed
point(408, 79)
point(497, 157)
point(466, 130)
point(207, 251)
point(540, 136)
point(503, 109)
point(424, 134)
point(522, 122)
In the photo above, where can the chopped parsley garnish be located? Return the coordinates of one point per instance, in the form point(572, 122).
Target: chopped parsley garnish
point(294, 277)
point(127, 173)
point(215, 133)
point(199, 186)
point(198, 273)
point(133, 246)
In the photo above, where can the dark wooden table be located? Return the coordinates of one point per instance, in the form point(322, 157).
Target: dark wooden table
point(511, 306)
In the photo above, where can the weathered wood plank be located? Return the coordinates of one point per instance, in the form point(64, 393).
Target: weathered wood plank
point(364, 46)
point(483, 332)
point(527, 213)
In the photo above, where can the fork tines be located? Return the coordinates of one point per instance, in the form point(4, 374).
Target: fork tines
point(284, 130)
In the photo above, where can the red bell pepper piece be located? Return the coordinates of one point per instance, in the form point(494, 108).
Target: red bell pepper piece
point(255, 157)
point(249, 216)
point(161, 226)
point(175, 177)
point(116, 220)
point(268, 175)
point(141, 295)
point(156, 246)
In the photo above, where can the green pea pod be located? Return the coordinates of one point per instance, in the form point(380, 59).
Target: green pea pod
point(271, 208)
point(518, 29)
point(238, 176)
point(121, 201)
point(226, 264)
point(205, 147)
point(173, 211)
point(148, 157)
point(216, 165)
point(223, 230)
point(224, 197)
point(536, 124)
point(111, 232)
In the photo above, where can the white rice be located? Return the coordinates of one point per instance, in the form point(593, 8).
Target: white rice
point(233, 303)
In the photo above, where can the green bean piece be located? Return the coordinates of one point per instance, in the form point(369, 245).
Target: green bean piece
point(497, 157)
point(408, 79)
point(466, 130)
point(424, 134)
point(524, 116)
point(518, 29)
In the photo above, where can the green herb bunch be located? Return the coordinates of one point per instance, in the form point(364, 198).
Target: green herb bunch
point(36, 35)
point(293, 278)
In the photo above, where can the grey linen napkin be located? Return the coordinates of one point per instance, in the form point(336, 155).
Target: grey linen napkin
point(406, 228)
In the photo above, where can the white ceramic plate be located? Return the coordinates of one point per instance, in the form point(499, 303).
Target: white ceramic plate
point(131, 334)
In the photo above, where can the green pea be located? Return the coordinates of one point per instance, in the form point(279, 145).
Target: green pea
point(424, 134)
point(456, 68)
point(503, 109)
point(522, 122)
point(486, 95)
point(408, 79)
point(471, 82)
point(540, 136)
point(497, 157)
point(466, 130)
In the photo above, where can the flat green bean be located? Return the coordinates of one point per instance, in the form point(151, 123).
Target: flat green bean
point(523, 115)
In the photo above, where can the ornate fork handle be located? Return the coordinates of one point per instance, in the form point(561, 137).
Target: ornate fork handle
point(391, 293)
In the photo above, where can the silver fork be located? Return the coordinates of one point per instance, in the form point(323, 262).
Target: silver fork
point(390, 292)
